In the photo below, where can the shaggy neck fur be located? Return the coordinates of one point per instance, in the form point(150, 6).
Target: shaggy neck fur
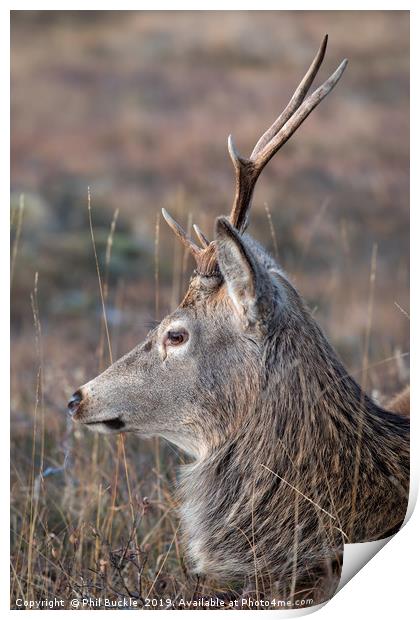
point(305, 471)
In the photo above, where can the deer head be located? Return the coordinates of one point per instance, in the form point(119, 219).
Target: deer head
point(195, 377)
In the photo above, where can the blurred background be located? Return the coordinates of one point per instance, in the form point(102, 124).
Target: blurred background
point(137, 106)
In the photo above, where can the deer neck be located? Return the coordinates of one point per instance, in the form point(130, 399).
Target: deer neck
point(312, 435)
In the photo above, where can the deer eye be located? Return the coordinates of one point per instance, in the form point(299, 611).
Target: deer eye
point(175, 337)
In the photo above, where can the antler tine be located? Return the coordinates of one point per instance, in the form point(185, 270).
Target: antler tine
point(289, 128)
point(181, 234)
point(297, 98)
point(298, 108)
point(201, 236)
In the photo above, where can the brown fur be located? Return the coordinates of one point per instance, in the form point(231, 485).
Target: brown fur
point(401, 403)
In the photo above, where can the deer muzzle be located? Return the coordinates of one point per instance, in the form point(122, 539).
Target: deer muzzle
point(78, 408)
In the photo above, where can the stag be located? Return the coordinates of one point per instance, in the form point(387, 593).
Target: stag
point(289, 457)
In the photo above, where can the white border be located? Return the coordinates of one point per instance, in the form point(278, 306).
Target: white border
point(387, 586)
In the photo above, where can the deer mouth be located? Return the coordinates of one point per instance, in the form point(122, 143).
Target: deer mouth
point(115, 424)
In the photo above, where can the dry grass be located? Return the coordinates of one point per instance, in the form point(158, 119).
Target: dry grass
point(139, 106)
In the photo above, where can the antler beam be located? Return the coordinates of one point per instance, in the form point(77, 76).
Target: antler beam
point(247, 171)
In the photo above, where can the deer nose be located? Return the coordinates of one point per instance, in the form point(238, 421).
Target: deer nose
point(74, 402)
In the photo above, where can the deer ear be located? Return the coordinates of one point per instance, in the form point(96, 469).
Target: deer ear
point(242, 273)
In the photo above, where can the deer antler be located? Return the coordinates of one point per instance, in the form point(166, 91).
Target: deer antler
point(181, 234)
point(205, 257)
point(247, 171)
